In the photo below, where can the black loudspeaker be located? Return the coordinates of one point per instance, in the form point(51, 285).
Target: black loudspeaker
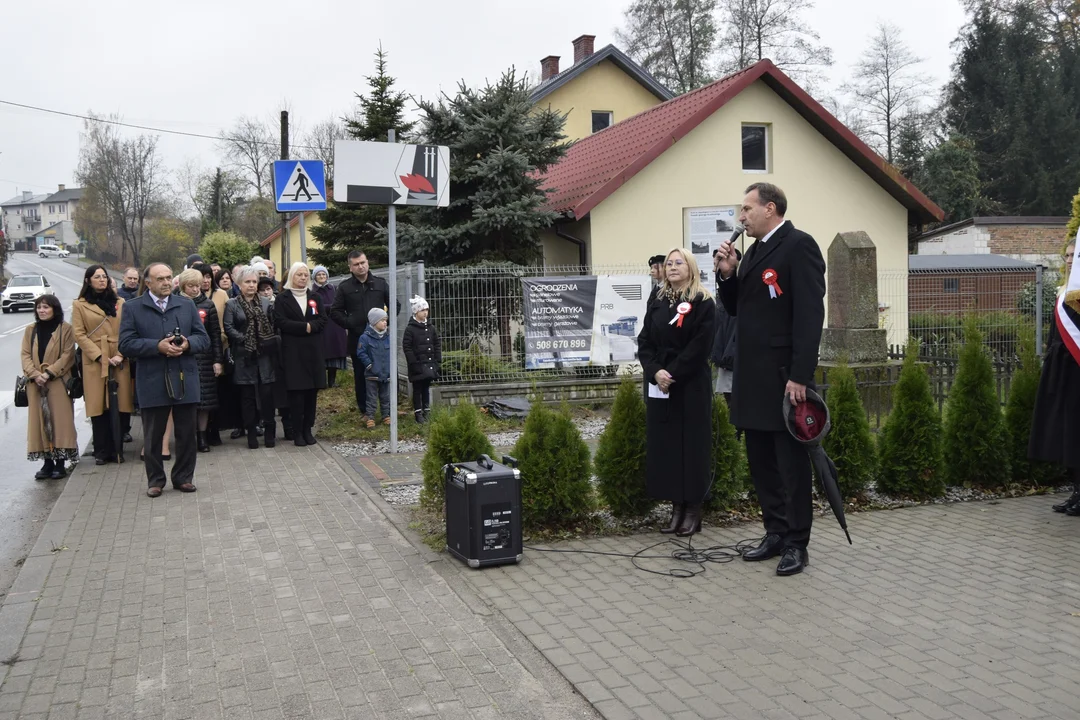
point(483, 511)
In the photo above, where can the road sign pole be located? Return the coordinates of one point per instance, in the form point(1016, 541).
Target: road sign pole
point(391, 227)
point(303, 240)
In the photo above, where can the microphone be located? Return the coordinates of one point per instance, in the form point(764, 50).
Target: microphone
point(739, 230)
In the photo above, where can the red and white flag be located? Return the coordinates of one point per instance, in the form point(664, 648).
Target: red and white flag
point(1070, 298)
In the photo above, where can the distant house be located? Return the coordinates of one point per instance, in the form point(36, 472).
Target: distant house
point(600, 89)
point(61, 205)
point(675, 174)
point(1038, 240)
point(960, 283)
point(22, 218)
point(272, 248)
point(61, 234)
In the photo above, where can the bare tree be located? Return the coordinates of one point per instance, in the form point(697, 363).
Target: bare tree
point(774, 29)
point(674, 40)
point(251, 148)
point(127, 176)
point(887, 86)
point(319, 142)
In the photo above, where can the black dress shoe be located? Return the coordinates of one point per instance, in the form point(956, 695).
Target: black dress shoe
point(127, 437)
point(793, 561)
point(1069, 502)
point(1073, 510)
point(770, 547)
point(237, 434)
point(100, 461)
point(309, 438)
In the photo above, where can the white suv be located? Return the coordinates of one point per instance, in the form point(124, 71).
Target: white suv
point(22, 291)
point(50, 250)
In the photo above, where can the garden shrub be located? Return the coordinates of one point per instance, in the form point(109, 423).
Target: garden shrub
point(620, 456)
point(556, 485)
point(1019, 414)
point(849, 443)
point(910, 442)
point(975, 449)
point(454, 435)
point(731, 475)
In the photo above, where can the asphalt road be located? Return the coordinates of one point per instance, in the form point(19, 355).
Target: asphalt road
point(24, 502)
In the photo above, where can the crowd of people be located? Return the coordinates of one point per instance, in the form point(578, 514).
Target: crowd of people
point(208, 351)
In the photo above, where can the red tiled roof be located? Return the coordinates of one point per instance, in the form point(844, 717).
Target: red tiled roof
point(600, 164)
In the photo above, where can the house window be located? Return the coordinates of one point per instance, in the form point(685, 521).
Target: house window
point(951, 285)
point(52, 209)
point(755, 148)
point(602, 119)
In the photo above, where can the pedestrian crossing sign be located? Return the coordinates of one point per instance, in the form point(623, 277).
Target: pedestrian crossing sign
point(299, 185)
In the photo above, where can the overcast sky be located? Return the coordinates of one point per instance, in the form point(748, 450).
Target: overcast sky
point(198, 65)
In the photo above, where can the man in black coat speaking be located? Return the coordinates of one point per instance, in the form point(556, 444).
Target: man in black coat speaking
point(355, 296)
point(777, 296)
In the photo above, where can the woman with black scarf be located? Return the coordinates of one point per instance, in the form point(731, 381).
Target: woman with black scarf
point(48, 355)
point(95, 318)
point(253, 342)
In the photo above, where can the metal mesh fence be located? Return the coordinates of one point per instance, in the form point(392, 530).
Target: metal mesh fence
point(933, 305)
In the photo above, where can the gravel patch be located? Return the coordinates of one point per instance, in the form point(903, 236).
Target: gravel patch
point(401, 495)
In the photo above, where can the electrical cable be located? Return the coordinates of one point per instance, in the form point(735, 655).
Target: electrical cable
point(684, 552)
point(141, 127)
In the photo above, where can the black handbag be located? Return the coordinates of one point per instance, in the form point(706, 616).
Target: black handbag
point(74, 383)
point(21, 398)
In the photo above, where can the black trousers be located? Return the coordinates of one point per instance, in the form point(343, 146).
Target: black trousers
point(257, 403)
point(421, 395)
point(783, 480)
point(359, 384)
point(302, 409)
point(185, 423)
point(104, 443)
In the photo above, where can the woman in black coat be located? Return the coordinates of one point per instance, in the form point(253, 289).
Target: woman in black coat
point(254, 343)
point(189, 284)
point(300, 317)
point(673, 348)
point(423, 354)
point(1055, 429)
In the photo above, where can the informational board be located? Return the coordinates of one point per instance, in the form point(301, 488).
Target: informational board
point(704, 230)
point(299, 185)
point(583, 320)
point(377, 173)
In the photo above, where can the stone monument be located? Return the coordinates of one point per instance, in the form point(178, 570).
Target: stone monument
point(853, 334)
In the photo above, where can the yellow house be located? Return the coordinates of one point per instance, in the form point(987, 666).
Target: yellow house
point(600, 89)
point(271, 246)
point(674, 175)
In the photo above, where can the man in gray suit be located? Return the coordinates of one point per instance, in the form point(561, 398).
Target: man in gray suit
point(164, 332)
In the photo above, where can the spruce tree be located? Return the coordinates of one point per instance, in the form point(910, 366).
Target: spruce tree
point(849, 443)
point(910, 443)
point(975, 451)
point(556, 485)
point(454, 435)
point(1019, 414)
point(362, 227)
point(620, 456)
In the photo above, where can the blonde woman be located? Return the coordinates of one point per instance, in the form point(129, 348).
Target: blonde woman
point(673, 349)
point(48, 355)
point(95, 317)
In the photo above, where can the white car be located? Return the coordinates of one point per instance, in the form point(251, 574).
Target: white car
point(50, 250)
point(22, 291)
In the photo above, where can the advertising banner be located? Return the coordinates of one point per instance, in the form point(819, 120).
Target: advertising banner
point(583, 320)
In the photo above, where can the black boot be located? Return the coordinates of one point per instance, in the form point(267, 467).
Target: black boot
point(46, 470)
point(59, 471)
point(253, 439)
point(691, 522)
point(677, 511)
point(418, 415)
point(1070, 502)
point(286, 430)
point(213, 437)
point(200, 441)
point(270, 436)
point(309, 437)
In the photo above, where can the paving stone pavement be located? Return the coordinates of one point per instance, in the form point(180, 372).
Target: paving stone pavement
point(279, 590)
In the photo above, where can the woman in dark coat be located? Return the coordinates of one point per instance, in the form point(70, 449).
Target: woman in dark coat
point(334, 337)
point(673, 348)
point(190, 283)
point(254, 343)
point(1055, 429)
point(299, 316)
point(423, 353)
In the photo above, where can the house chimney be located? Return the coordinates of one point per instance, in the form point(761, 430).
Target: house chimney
point(549, 67)
point(61, 186)
point(27, 194)
point(583, 47)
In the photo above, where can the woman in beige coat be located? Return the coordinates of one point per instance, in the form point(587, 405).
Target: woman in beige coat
point(48, 355)
point(95, 316)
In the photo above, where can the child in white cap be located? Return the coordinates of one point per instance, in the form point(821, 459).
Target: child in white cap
point(423, 353)
point(373, 352)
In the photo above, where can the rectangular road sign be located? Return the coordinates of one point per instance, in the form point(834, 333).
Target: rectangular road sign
point(299, 185)
point(376, 173)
